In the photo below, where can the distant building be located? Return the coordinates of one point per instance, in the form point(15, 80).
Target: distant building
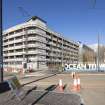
point(86, 54)
point(101, 52)
point(33, 45)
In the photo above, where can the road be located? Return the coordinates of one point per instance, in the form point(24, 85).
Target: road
point(92, 86)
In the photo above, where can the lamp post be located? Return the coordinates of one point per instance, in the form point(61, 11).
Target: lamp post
point(1, 45)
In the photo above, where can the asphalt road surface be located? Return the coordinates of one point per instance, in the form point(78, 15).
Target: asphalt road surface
point(92, 86)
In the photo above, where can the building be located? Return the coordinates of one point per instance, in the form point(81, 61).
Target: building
point(101, 52)
point(33, 45)
point(86, 54)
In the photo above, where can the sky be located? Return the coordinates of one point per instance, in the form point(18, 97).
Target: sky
point(79, 20)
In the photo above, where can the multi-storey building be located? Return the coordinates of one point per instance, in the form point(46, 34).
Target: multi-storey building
point(99, 52)
point(33, 45)
point(86, 54)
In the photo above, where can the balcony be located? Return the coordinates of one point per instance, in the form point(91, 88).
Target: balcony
point(36, 52)
point(11, 42)
point(15, 53)
point(31, 45)
point(5, 49)
point(31, 32)
point(43, 33)
point(47, 48)
point(8, 60)
point(19, 47)
point(41, 39)
point(10, 36)
point(11, 48)
point(36, 32)
point(5, 38)
point(48, 54)
point(15, 35)
point(57, 50)
point(5, 54)
point(18, 40)
point(33, 52)
point(18, 59)
point(48, 59)
point(36, 45)
point(5, 43)
point(19, 34)
point(33, 58)
point(48, 36)
point(51, 43)
point(55, 39)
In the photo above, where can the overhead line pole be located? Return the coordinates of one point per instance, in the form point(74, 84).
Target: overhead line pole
point(98, 54)
point(1, 45)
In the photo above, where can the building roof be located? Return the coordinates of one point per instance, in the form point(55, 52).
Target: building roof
point(36, 17)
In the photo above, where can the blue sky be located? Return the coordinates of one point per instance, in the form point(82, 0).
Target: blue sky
point(79, 20)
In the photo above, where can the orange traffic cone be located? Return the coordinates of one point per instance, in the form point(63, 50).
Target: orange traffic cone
point(75, 85)
point(60, 86)
point(78, 84)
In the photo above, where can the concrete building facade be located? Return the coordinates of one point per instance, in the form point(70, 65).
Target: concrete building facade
point(33, 45)
point(86, 54)
point(101, 52)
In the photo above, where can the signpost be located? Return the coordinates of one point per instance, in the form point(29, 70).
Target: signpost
point(1, 44)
